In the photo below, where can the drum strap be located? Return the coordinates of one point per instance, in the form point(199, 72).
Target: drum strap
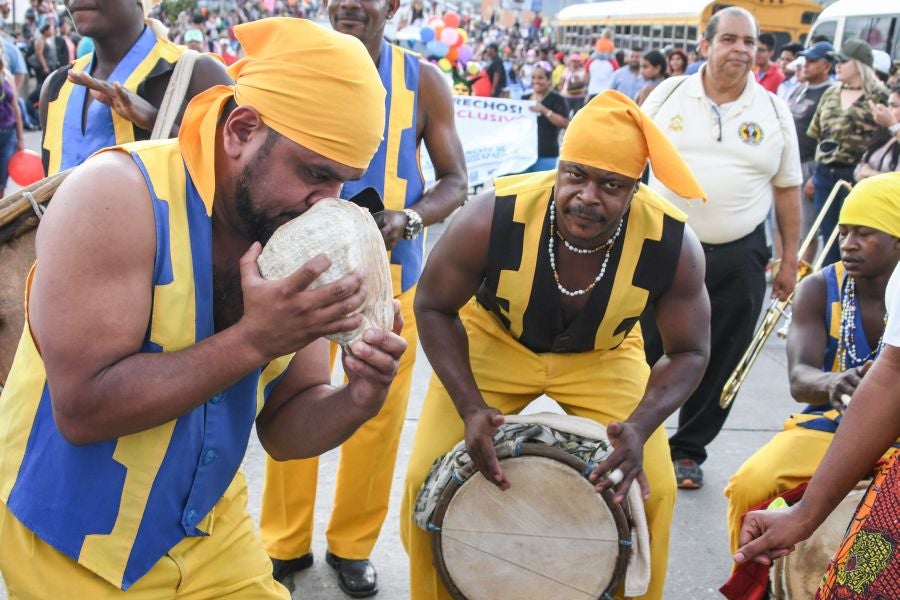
point(174, 96)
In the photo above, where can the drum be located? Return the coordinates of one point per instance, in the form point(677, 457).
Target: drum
point(551, 535)
point(18, 222)
point(799, 574)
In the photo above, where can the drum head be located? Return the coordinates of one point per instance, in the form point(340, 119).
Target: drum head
point(551, 535)
point(801, 571)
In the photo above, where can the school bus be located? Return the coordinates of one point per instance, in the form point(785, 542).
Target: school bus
point(654, 24)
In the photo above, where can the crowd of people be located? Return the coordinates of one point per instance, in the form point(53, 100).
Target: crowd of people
point(570, 277)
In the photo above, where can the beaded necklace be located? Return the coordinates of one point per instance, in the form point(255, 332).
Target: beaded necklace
point(608, 246)
point(847, 343)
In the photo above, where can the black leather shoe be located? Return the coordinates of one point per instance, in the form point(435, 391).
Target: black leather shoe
point(357, 578)
point(284, 568)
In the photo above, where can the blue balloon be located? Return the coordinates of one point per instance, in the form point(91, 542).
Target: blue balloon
point(434, 48)
point(426, 34)
point(441, 49)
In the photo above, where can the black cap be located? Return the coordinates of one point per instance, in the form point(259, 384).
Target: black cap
point(854, 48)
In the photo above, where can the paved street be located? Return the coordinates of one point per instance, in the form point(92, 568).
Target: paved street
point(699, 561)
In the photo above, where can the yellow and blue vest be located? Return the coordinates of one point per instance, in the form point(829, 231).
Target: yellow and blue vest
point(395, 170)
point(118, 506)
point(822, 417)
point(65, 144)
point(518, 285)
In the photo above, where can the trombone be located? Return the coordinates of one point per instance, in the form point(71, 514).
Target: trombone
point(778, 307)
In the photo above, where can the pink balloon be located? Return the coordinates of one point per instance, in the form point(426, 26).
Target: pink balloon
point(449, 36)
point(451, 19)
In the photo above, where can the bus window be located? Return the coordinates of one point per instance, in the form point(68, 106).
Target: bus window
point(823, 29)
point(692, 33)
point(667, 31)
point(808, 17)
point(679, 32)
point(872, 30)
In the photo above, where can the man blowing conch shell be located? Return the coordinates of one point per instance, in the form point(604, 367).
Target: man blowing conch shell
point(151, 351)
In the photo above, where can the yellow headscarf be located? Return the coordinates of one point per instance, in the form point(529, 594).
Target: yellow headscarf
point(613, 134)
point(874, 202)
point(318, 88)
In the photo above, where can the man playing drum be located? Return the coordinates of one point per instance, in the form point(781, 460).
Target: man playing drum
point(867, 564)
point(836, 332)
point(561, 264)
point(149, 354)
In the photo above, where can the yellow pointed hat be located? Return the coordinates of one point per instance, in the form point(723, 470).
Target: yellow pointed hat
point(316, 87)
point(874, 202)
point(612, 133)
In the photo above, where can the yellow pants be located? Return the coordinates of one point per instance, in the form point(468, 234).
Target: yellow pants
point(601, 385)
point(364, 476)
point(787, 460)
point(229, 563)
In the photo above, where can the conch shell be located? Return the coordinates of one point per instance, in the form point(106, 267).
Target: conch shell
point(348, 235)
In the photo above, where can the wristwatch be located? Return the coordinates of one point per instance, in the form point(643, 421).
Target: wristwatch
point(894, 129)
point(414, 224)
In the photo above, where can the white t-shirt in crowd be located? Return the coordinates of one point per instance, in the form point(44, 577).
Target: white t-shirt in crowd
point(601, 76)
point(737, 152)
point(892, 302)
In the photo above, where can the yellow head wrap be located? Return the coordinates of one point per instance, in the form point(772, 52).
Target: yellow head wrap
point(874, 202)
point(318, 88)
point(613, 134)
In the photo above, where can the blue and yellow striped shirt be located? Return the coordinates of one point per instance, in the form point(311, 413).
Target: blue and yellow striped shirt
point(118, 506)
point(395, 170)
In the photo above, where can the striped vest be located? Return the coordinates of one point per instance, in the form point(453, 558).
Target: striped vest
point(519, 288)
point(822, 417)
point(395, 171)
point(117, 506)
point(65, 144)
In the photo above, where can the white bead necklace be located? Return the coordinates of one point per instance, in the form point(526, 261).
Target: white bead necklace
point(847, 342)
point(608, 246)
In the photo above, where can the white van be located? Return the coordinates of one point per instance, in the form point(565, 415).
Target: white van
point(877, 22)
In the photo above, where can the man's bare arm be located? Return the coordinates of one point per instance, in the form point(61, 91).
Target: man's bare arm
point(91, 303)
point(787, 214)
point(682, 316)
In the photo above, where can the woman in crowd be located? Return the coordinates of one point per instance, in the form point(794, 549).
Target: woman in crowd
point(11, 138)
point(678, 62)
point(552, 111)
point(843, 126)
point(883, 153)
point(653, 70)
point(574, 83)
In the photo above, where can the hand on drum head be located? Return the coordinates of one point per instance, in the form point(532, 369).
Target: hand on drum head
point(767, 535)
point(627, 457)
point(283, 315)
point(481, 425)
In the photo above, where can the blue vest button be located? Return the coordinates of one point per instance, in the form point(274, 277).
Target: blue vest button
point(217, 398)
point(190, 518)
point(209, 456)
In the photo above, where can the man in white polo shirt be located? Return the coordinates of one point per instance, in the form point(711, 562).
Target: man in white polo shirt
point(741, 144)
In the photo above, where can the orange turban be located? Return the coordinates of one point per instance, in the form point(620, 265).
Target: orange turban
point(613, 134)
point(316, 87)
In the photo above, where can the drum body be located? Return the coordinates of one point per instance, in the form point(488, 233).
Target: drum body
point(799, 574)
point(16, 258)
point(550, 535)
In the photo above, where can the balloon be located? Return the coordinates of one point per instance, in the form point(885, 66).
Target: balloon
point(437, 49)
point(434, 22)
point(452, 55)
point(25, 167)
point(449, 36)
point(463, 36)
point(426, 34)
point(451, 19)
point(465, 53)
point(438, 30)
point(472, 68)
point(445, 65)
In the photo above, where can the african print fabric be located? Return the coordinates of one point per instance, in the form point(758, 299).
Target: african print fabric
point(867, 564)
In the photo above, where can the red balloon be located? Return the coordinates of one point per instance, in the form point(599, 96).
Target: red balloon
point(25, 167)
point(451, 19)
